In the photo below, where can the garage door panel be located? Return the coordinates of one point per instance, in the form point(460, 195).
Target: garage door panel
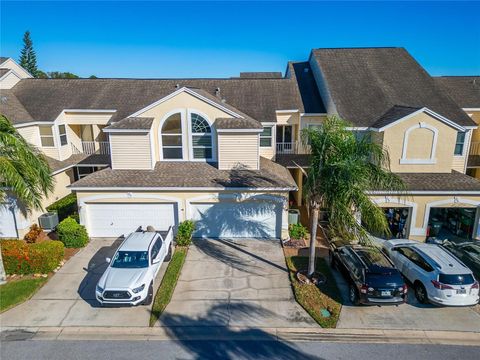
point(231, 219)
point(116, 219)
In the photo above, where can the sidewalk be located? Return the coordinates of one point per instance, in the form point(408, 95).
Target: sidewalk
point(238, 333)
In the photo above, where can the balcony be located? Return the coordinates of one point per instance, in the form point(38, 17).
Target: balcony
point(287, 148)
point(92, 147)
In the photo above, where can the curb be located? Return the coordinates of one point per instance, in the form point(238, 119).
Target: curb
point(241, 334)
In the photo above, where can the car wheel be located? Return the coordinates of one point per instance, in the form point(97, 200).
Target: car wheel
point(421, 293)
point(169, 254)
point(353, 295)
point(148, 300)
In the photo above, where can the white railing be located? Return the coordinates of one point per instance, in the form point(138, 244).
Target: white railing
point(475, 148)
point(287, 148)
point(93, 147)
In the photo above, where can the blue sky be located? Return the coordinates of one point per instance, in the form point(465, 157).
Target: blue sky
point(201, 39)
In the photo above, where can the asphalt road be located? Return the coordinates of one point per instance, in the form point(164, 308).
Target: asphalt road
point(258, 350)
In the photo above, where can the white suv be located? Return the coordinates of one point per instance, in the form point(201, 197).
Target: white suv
point(437, 276)
point(130, 275)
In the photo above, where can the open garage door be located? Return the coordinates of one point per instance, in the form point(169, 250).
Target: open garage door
point(116, 219)
point(249, 219)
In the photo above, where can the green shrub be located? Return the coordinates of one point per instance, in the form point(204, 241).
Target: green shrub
point(297, 231)
point(72, 234)
point(64, 207)
point(22, 258)
point(33, 234)
point(184, 233)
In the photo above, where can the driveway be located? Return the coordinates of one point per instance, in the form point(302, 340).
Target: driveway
point(241, 283)
point(68, 298)
point(409, 316)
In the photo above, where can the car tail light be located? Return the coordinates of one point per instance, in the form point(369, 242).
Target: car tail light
point(475, 285)
point(364, 289)
point(403, 289)
point(440, 286)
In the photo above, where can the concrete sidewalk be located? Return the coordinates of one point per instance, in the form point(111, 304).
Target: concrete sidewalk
point(242, 333)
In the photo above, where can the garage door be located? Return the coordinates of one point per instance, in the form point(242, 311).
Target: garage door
point(253, 219)
point(7, 223)
point(109, 220)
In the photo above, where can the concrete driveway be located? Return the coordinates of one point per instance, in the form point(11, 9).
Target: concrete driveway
point(409, 316)
point(68, 298)
point(241, 283)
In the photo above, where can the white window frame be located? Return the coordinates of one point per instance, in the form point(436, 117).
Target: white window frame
point(429, 161)
point(52, 136)
point(190, 112)
point(60, 135)
point(267, 137)
point(182, 134)
point(465, 140)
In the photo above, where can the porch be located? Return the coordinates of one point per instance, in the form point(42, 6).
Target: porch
point(88, 139)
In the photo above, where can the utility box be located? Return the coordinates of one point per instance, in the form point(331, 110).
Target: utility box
point(293, 216)
point(48, 221)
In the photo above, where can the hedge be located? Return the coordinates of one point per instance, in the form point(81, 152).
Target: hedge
point(65, 207)
point(38, 258)
point(72, 234)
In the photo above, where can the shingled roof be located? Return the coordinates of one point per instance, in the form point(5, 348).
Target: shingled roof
point(132, 123)
point(365, 83)
point(12, 108)
point(3, 72)
point(44, 99)
point(178, 174)
point(465, 90)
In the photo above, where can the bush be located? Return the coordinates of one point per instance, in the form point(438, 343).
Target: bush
point(64, 207)
point(184, 234)
point(72, 234)
point(297, 231)
point(33, 234)
point(22, 258)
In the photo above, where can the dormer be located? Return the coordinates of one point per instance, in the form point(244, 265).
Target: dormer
point(11, 73)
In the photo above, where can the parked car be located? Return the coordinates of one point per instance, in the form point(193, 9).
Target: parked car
point(437, 276)
point(468, 252)
point(372, 277)
point(130, 275)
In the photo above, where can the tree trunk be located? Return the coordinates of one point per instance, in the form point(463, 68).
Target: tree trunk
point(313, 239)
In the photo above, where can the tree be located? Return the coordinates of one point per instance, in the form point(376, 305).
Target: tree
point(24, 170)
point(28, 58)
point(62, 75)
point(344, 167)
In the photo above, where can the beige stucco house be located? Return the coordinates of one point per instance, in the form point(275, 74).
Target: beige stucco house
point(227, 152)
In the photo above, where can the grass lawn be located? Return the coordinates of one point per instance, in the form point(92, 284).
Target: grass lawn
point(17, 291)
point(169, 281)
point(312, 298)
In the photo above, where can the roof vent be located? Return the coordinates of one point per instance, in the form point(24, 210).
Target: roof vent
point(224, 100)
point(217, 92)
point(177, 86)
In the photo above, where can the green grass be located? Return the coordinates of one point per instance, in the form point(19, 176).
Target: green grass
point(169, 281)
point(17, 291)
point(312, 298)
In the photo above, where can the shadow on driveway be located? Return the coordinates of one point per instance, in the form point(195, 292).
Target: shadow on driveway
point(229, 349)
point(95, 269)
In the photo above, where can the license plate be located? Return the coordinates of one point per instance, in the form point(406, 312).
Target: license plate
point(461, 291)
point(385, 293)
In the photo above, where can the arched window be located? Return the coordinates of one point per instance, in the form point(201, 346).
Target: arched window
point(172, 137)
point(201, 137)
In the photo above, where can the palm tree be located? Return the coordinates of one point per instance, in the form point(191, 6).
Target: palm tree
point(344, 167)
point(24, 172)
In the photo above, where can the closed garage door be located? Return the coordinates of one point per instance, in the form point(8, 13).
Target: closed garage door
point(254, 219)
point(116, 219)
point(7, 223)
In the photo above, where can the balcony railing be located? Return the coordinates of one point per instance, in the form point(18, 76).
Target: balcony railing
point(92, 147)
point(287, 148)
point(475, 148)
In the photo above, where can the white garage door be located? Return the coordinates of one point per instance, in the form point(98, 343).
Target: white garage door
point(7, 223)
point(254, 219)
point(116, 219)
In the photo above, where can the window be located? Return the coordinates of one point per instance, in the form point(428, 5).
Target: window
point(266, 136)
point(172, 137)
point(460, 143)
point(63, 134)
point(46, 136)
point(156, 249)
point(201, 138)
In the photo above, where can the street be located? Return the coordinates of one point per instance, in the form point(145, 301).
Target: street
point(117, 350)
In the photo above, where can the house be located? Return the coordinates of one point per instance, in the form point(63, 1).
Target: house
point(227, 152)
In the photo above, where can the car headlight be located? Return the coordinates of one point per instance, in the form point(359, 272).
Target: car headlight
point(99, 289)
point(138, 289)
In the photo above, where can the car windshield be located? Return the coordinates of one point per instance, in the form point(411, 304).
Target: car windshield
point(464, 279)
point(373, 258)
point(130, 259)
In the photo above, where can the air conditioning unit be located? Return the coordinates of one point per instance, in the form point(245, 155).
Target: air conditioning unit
point(293, 216)
point(48, 221)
